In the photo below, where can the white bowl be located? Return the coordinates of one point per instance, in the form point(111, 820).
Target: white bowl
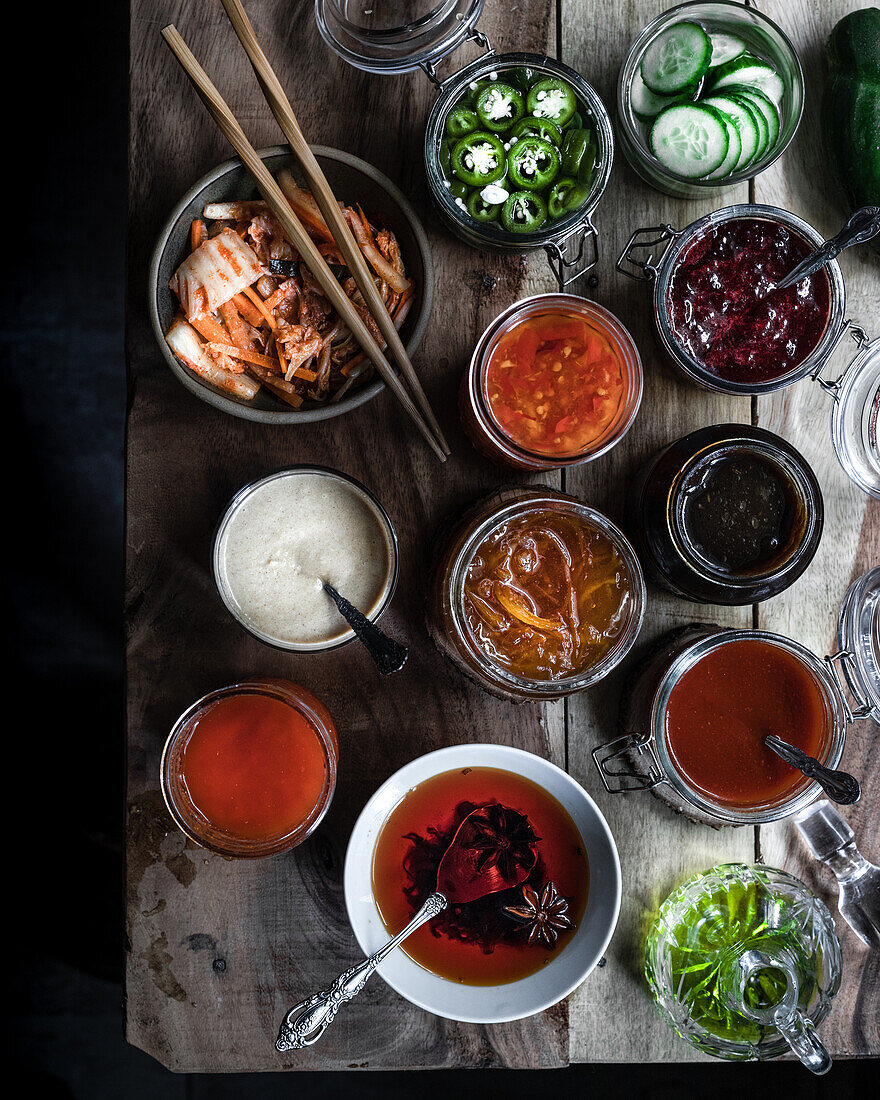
point(499, 1003)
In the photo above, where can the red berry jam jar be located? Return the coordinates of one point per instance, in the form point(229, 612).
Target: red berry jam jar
point(554, 381)
point(717, 311)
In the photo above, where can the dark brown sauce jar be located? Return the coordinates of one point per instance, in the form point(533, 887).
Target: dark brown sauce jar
point(728, 515)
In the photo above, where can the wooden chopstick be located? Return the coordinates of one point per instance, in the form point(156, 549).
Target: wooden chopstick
point(320, 188)
point(278, 204)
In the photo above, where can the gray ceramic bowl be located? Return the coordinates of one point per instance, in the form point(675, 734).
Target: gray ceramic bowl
point(352, 181)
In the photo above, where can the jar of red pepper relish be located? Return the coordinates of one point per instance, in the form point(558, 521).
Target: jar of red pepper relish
point(717, 312)
point(554, 381)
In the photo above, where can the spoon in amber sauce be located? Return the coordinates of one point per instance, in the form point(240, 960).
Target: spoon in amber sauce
point(462, 877)
point(841, 787)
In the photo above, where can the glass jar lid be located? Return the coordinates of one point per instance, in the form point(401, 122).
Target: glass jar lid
point(395, 36)
point(854, 418)
point(858, 638)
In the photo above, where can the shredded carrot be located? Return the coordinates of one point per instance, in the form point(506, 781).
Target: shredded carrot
point(260, 306)
point(235, 325)
point(304, 373)
point(282, 358)
point(246, 356)
point(211, 329)
point(277, 385)
point(198, 234)
point(250, 313)
point(351, 364)
point(275, 299)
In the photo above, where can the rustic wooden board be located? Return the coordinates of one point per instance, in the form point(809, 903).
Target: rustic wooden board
point(217, 949)
point(612, 1017)
point(851, 544)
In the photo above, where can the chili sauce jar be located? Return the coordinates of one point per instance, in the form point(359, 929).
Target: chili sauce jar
point(541, 196)
point(535, 595)
point(752, 94)
point(250, 770)
point(727, 515)
point(700, 709)
point(554, 381)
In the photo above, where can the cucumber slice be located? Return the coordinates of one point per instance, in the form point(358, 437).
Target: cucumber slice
point(753, 72)
point(643, 101)
point(676, 58)
point(725, 47)
point(689, 141)
point(744, 121)
point(734, 150)
point(765, 105)
point(760, 122)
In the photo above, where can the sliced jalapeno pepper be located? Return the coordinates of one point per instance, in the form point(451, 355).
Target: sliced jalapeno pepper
point(461, 121)
point(556, 202)
point(552, 98)
point(576, 197)
point(479, 159)
point(523, 212)
point(522, 76)
point(459, 190)
point(499, 106)
point(444, 155)
point(587, 165)
point(480, 210)
point(576, 122)
point(574, 146)
point(530, 126)
point(532, 164)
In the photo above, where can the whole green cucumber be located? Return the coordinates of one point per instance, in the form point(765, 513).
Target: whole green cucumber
point(851, 106)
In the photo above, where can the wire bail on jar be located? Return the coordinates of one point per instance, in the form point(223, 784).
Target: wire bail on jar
point(620, 748)
point(560, 262)
point(645, 270)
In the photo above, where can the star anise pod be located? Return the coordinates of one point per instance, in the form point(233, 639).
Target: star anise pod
point(503, 839)
point(544, 915)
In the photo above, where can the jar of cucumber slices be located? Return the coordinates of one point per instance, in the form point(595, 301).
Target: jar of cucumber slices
point(710, 95)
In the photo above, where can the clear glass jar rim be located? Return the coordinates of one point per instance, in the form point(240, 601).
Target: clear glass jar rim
point(691, 656)
point(239, 847)
point(385, 523)
point(593, 311)
point(689, 235)
point(550, 499)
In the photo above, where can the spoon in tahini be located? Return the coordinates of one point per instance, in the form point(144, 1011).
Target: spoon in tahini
point(861, 227)
point(841, 787)
point(390, 656)
point(459, 880)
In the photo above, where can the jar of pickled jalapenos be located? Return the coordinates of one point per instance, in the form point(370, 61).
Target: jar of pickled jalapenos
point(518, 146)
point(535, 595)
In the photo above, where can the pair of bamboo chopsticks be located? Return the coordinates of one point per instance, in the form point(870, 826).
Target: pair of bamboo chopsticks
point(292, 226)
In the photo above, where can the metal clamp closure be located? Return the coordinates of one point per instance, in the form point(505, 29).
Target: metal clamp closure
point(645, 270)
point(561, 264)
point(635, 743)
point(429, 68)
point(856, 333)
point(844, 658)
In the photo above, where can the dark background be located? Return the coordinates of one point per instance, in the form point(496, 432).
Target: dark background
point(61, 334)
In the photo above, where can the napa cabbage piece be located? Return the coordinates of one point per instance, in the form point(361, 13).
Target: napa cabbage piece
point(187, 345)
point(215, 272)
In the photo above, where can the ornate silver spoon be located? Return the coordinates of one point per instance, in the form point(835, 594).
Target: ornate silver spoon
point(861, 227)
point(841, 787)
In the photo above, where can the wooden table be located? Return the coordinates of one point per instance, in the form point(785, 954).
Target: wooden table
point(217, 949)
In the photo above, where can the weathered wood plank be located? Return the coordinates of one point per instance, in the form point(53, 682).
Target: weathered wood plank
point(808, 611)
point(217, 950)
point(612, 1018)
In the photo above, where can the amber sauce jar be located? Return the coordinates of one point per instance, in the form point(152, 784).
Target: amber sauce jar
point(527, 657)
point(728, 515)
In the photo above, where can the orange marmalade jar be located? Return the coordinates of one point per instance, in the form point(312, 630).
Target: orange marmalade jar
point(555, 380)
point(535, 595)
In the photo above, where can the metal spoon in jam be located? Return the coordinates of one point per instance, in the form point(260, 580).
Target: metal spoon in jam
point(481, 859)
